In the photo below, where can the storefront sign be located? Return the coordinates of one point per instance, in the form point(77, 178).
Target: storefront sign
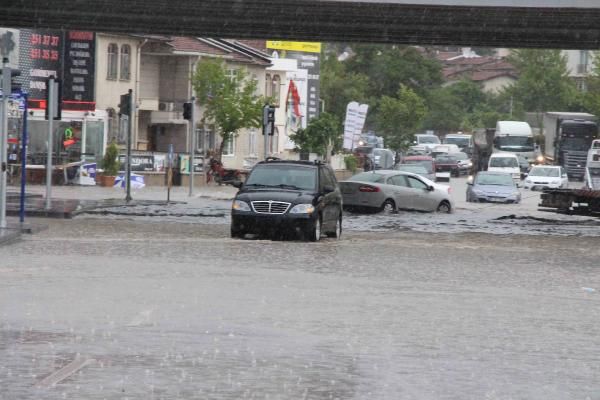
point(305, 47)
point(78, 89)
point(139, 162)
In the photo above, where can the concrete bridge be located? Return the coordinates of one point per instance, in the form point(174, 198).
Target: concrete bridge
point(512, 23)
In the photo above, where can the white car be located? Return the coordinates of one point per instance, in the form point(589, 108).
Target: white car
point(506, 162)
point(546, 177)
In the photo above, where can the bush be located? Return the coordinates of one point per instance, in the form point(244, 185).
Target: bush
point(351, 163)
point(110, 163)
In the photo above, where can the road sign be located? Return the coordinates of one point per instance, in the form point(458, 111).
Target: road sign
point(7, 44)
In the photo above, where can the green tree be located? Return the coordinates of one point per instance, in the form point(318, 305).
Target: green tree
point(230, 102)
point(399, 117)
point(445, 113)
point(544, 83)
point(322, 134)
point(591, 99)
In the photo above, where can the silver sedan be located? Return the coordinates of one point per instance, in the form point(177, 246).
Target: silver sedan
point(394, 190)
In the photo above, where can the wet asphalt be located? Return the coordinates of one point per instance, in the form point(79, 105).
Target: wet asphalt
point(161, 304)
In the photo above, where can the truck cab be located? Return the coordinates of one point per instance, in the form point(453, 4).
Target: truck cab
point(515, 137)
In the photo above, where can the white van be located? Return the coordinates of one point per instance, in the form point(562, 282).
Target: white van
point(427, 142)
point(506, 162)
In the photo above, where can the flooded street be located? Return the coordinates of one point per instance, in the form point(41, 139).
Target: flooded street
point(414, 306)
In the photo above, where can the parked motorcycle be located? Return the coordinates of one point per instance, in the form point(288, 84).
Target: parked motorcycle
point(222, 175)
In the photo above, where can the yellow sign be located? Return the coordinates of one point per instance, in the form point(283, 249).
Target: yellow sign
point(306, 47)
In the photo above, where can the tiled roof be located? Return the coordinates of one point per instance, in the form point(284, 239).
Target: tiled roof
point(480, 76)
point(219, 48)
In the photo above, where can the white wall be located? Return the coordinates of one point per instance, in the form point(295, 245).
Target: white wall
point(495, 85)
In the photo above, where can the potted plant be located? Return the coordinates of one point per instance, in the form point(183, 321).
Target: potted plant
point(110, 165)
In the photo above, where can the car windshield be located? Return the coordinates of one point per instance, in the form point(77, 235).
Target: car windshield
point(515, 143)
point(576, 144)
point(494, 179)
point(504, 162)
point(428, 140)
point(425, 163)
point(544, 171)
point(284, 176)
point(446, 159)
point(368, 177)
point(460, 156)
point(414, 168)
point(459, 141)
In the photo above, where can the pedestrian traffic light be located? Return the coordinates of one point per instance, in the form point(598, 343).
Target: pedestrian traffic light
point(125, 104)
point(187, 111)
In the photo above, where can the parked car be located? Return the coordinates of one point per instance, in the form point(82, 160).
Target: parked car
point(449, 163)
point(426, 161)
point(288, 197)
point(505, 162)
point(494, 187)
point(546, 177)
point(418, 169)
point(390, 191)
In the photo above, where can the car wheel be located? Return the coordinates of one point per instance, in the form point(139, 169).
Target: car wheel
point(444, 207)
point(314, 233)
point(388, 206)
point(337, 234)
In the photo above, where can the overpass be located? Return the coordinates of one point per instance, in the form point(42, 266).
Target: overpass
point(572, 24)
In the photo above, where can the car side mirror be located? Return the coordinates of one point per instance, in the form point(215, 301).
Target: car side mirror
point(470, 183)
point(430, 188)
point(328, 189)
point(237, 184)
point(525, 174)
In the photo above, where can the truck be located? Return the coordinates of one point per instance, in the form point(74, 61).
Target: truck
point(568, 138)
point(516, 137)
point(585, 201)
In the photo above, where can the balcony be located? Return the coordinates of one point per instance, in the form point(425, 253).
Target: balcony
point(168, 113)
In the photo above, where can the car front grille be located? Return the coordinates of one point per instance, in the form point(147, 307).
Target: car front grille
point(270, 207)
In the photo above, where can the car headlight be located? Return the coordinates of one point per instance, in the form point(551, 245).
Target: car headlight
point(303, 209)
point(239, 205)
point(478, 192)
point(527, 180)
point(516, 194)
point(540, 159)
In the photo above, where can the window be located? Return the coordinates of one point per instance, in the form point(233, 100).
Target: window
point(276, 89)
point(252, 142)
point(112, 61)
point(583, 57)
point(232, 73)
point(415, 183)
point(125, 62)
point(268, 85)
point(200, 139)
point(398, 180)
point(228, 149)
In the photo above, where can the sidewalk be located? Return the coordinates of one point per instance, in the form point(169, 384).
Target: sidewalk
point(69, 201)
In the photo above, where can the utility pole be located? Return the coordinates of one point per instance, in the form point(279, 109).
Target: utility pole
point(129, 133)
point(52, 112)
point(6, 91)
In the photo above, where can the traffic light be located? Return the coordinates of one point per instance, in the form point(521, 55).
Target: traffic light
point(125, 105)
point(269, 120)
point(187, 111)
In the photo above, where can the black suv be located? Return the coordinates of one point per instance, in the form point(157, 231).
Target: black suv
point(289, 198)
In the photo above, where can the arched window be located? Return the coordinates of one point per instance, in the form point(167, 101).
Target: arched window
point(276, 84)
point(125, 62)
point(268, 86)
point(112, 61)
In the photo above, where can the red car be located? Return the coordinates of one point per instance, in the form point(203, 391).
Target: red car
point(426, 161)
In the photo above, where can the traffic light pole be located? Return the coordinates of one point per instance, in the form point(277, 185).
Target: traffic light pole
point(129, 130)
point(6, 91)
point(192, 144)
